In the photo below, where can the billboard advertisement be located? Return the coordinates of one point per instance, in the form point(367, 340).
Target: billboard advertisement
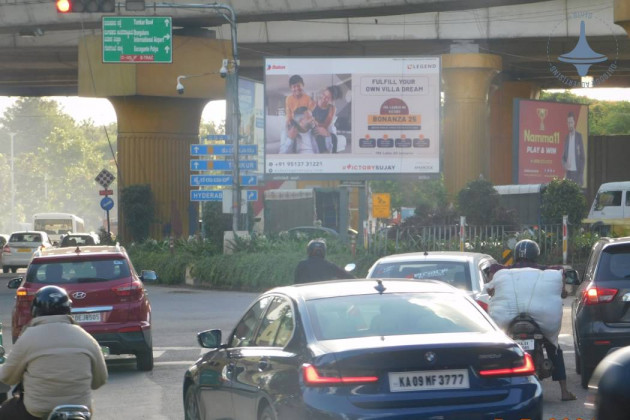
point(352, 118)
point(251, 130)
point(550, 141)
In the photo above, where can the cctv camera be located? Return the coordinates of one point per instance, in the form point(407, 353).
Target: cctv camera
point(180, 86)
point(224, 71)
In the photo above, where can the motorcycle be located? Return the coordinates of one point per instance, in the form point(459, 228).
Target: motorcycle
point(526, 332)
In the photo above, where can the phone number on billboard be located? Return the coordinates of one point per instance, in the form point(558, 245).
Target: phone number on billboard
point(297, 164)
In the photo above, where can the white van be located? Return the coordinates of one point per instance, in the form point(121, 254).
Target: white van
point(610, 211)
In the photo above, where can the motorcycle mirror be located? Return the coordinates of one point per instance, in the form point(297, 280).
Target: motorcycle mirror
point(572, 277)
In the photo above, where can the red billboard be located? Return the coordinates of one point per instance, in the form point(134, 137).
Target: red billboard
point(550, 141)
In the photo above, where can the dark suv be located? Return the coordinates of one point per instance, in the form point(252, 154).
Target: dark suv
point(108, 298)
point(601, 308)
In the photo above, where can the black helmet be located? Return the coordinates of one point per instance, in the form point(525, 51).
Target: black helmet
point(51, 300)
point(316, 247)
point(610, 385)
point(526, 250)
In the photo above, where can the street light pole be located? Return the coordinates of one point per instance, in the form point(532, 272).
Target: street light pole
point(231, 96)
point(12, 185)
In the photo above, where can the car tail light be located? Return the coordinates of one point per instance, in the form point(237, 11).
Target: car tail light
point(313, 378)
point(133, 290)
point(527, 368)
point(595, 295)
point(483, 305)
point(6, 249)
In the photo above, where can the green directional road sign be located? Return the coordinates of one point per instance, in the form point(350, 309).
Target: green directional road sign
point(136, 39)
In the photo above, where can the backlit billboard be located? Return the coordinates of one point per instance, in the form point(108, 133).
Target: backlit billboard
point(352, 118)
point(550, 141)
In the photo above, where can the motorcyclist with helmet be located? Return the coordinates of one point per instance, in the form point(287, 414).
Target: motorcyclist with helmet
point(526, 253)
point(315, 267)
point(55, 360)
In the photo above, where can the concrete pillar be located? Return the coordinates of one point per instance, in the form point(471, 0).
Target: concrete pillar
point(501, 127)
point(156, 125)
point(621, 13)
point(466, 79)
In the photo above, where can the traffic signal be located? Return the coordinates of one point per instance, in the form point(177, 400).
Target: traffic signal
point(85, 6)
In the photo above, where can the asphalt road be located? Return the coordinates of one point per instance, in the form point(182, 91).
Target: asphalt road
point(180, 312)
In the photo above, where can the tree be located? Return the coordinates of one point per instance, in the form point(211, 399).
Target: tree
point(477, 201)
point(563, 197)
point(138, 207)
point(56, 161)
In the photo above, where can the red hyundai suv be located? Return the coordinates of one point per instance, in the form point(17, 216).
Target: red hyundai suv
point(108, 297)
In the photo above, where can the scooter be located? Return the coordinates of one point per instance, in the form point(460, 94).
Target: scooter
point(526, 332)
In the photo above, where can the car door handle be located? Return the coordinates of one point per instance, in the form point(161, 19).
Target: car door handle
point(264, 365)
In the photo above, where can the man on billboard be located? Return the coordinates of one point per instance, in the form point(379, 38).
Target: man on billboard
point(573, 157)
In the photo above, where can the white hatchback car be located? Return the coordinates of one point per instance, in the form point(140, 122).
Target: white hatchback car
point(464, 270)
point(19, 250)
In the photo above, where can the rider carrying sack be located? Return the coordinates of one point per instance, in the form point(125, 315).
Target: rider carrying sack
point(55, 359)
point(537, 289)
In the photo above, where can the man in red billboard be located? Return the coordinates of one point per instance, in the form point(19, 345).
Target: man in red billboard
point(573, 158)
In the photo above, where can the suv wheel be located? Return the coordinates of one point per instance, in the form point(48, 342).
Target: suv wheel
point(144, 360)
point(5, 269)
point(13, 269)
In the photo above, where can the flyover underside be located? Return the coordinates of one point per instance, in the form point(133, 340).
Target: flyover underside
point(53, 71)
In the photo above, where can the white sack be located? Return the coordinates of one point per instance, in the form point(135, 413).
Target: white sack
point(530, 290)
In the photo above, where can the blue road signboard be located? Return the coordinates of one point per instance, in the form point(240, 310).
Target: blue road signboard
point(206, 195)
point(250, 180)
point(221, 165)
point(214, 180)
point(209, 180)
point(222, 149)
point(252, 195)
point(107, 203)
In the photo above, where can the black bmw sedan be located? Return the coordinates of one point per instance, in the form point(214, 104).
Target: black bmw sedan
point(362, 349)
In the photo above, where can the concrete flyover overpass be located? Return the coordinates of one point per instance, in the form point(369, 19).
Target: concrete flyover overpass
point(492, 51)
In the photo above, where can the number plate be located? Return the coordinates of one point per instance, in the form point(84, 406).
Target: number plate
point(428, 380)
point(25, 250)
point(96, 317)
point(526, 344)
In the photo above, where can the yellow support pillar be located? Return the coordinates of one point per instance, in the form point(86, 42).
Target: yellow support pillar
point(157, 125)
point(467, 79)
point(621, 14)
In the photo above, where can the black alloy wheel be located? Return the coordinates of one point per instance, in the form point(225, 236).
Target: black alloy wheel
point(267, 414)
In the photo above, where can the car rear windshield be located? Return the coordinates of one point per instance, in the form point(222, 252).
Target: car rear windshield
point(26, 237)
point(456, 274)
point(614, 263)
point(394, 314)
point(78, 271)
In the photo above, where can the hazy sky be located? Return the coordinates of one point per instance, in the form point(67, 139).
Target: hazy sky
point(102, 112)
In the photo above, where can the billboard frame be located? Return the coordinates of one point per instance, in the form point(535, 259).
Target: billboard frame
point(516, 128)
point(366, 175)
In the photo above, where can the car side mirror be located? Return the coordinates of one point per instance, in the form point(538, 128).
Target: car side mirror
point(148, 275)
point(14, 283)
point(572, 277)
point(210, 339)
point(350, 267)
